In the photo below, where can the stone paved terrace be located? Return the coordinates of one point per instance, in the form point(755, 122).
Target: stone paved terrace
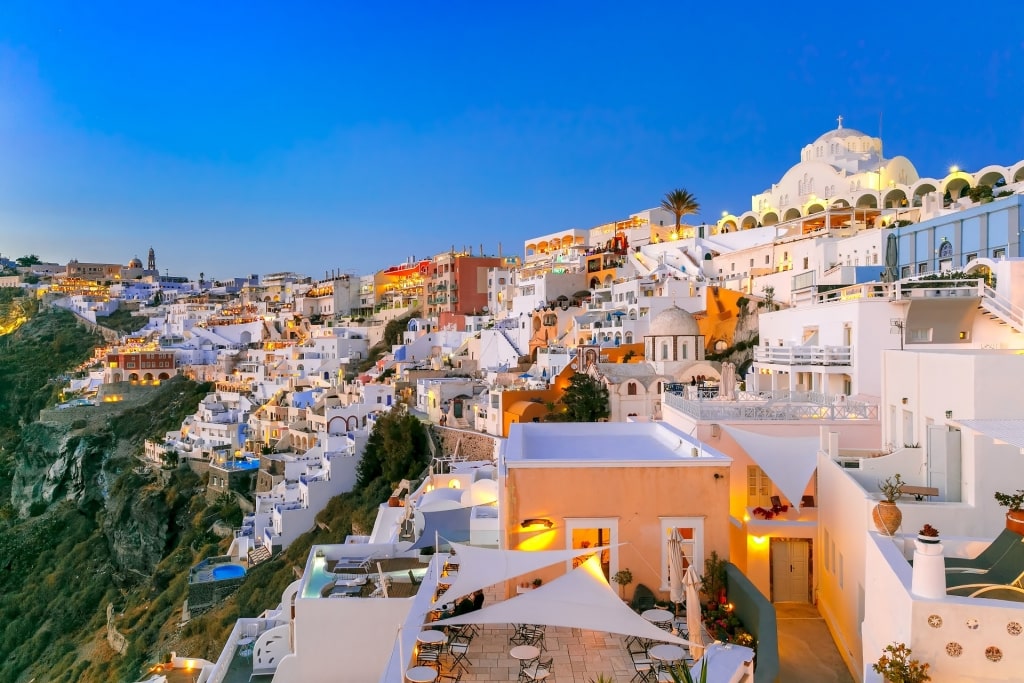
point(578, 655)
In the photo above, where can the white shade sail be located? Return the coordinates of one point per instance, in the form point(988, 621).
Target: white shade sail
point(440, 499)
point(675, 563)
point(483, 567)
point(581, 598)
point(789, 461)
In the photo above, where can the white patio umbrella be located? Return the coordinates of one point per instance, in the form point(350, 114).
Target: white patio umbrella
point(675, 565)
point(693, 615)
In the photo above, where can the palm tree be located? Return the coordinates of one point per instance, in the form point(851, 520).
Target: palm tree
point(680, 202)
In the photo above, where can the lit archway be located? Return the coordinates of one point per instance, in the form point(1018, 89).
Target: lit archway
point(956, 184)
point(867, 201)
point(894, 199)
point(813, 208)
point(791, 214)
point(770, 218)
point(748, 223)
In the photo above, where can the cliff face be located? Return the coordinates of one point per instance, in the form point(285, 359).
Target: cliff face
point(54, 464)
point(137, 524)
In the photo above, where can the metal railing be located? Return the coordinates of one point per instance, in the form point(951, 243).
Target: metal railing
point(774, 406)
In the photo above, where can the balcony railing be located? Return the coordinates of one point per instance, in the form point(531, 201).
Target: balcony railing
point(804, 355)
point(779, 405)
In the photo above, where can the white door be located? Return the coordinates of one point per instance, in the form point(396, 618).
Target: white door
point(789, 570)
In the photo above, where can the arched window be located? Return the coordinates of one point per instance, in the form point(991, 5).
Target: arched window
point(684, 350)
point(945, 249)
point(664, 350)
point(631, 389)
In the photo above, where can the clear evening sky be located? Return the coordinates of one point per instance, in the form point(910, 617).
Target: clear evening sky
point(244, 137)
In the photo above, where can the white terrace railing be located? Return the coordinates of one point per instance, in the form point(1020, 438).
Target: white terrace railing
point(804, 355)
point(776, 405)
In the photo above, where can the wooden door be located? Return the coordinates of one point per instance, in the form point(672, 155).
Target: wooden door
point(790, 566)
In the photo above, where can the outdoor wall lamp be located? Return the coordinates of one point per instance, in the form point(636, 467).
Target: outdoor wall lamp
point(536, 521)
point(904, 400)
point(949, 414)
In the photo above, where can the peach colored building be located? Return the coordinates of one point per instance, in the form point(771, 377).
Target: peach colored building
point(570, 484)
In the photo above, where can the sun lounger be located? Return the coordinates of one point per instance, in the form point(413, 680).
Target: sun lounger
point(989, 556)
point(1007, 571)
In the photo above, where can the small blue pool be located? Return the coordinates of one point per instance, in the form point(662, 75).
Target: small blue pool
point(228, 571)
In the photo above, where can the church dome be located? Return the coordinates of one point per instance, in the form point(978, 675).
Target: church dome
point(673, 321)
point(135, 263)
point(841, 133)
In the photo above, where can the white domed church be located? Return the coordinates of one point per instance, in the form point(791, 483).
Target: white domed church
point(673, 352)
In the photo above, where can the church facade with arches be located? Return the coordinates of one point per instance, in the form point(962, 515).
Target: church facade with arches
point(846, 169)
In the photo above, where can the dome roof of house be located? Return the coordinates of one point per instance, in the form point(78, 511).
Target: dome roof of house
point(673, 321)
point(841, 133)
point(135, 263)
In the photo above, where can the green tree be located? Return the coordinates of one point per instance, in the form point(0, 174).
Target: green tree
point(396, 450)
point(679, 203)
point(25, 261)
point(585, 399)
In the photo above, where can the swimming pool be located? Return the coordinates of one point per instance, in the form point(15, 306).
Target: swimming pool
point(228, 571)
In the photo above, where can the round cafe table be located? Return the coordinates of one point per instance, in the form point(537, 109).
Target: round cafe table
point(431, 637)
point(525, 653)
point(421, 674)
point(667, 653)
point(658, 616)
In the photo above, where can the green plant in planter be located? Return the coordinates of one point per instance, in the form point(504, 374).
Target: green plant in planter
point(623, 577)
point(896, 665)
point(681, 674)
point(891, 488)
point(712, 584)
point(1011, 501)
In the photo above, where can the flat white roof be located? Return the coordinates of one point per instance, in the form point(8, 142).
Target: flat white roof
point(1001, 431)
point(605, 443)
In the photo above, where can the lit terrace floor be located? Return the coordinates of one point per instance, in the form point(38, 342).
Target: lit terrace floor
point(579, 656)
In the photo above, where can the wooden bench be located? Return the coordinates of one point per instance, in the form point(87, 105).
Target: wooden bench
point(919, 492)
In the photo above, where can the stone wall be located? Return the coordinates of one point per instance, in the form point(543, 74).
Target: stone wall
point(466, 444)
point(203, 596)
point(118, 643)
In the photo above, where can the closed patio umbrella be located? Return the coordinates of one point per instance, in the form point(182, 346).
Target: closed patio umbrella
point(693, 615)
point(675, 564)
point(891, 258)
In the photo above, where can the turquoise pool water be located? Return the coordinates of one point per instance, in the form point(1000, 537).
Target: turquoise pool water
point(228, 571)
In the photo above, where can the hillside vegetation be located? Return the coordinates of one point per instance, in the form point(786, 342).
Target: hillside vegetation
point(81, 527)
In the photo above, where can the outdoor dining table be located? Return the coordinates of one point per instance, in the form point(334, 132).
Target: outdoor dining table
point(431, 637)
point(658, 616)
point(667, 653)
point(421, 674)
point(525, 653)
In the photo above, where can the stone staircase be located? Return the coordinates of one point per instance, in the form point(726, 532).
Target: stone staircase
point(258, 555)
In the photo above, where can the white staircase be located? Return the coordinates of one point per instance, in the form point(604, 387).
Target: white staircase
point(1001, 309)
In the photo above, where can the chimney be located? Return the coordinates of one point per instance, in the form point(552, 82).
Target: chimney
point(499, 249)
point(929, 577)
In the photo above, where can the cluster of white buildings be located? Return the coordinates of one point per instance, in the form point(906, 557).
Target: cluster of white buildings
point(872, 323)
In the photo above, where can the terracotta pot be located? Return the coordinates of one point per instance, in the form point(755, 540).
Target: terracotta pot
point(1015, 521)
point(887, 518)
point(394, 502)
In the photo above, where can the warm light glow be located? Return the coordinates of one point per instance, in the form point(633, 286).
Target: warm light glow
point(541, 541)
point(454, 484)
point(724, 214)
point(746, 517)
point(760, 539)
point(954, 168)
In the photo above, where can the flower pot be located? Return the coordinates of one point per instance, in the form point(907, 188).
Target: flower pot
point(887, 517)
point(928, 539)
point(1015, 521)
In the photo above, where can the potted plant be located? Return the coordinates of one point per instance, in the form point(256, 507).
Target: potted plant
point(928, 534)
point(886, 515)
point(1013, 503)
point(537, 582)
point(623, 577)
point(896, 665)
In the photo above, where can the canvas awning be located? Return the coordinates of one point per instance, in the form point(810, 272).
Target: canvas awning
point(483, 567)
point(789, 461)
point(451, 525)
point(581, 598)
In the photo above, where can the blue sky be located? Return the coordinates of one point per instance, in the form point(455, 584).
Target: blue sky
point(256, 137)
